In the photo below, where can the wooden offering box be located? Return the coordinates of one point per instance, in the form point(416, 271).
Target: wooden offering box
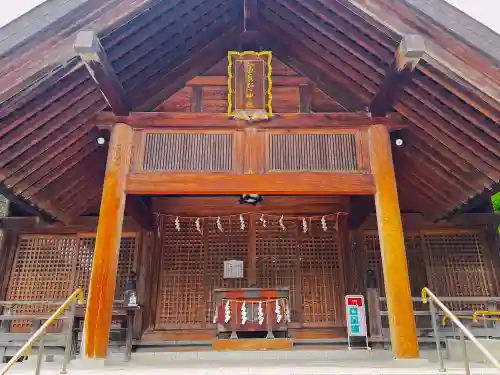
point(230, 303)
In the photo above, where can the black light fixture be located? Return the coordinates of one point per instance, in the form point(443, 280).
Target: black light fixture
point(252, 199)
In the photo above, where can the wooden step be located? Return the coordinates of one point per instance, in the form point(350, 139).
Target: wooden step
point(252, 344)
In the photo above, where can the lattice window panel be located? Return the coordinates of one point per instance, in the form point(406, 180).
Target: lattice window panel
point(182, 289)
point(189, 152)
point(276, 255)
point(43, 271)
point(312, 152)
point(230, 244)
point(457, 267)
point(415, 258)
point(52, 267)
point(85, 255)
point(322, 276)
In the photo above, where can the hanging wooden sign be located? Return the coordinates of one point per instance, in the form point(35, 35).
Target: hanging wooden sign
point(249, 91)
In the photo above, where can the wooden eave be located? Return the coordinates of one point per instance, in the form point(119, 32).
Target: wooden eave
point(47, 137)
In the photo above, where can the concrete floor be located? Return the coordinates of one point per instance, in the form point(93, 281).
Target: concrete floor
point(258, 363)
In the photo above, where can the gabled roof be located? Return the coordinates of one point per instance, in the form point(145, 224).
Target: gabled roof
point(48, 154)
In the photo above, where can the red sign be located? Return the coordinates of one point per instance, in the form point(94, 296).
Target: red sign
point(355, 301)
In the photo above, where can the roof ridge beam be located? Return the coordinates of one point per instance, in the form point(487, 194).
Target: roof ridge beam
point(89, 48)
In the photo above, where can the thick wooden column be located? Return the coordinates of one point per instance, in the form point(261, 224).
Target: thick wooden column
point(109, 229)
point(397, 284)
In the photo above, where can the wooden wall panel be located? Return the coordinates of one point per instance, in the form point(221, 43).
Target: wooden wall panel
point(286, 99)
point(215, 99)
point(312, 152)
point(179, 102)
point(189, 152)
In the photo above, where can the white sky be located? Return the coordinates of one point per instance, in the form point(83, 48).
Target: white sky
point(485, 11)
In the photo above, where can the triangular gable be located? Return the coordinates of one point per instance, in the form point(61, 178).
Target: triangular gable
point(286, 84)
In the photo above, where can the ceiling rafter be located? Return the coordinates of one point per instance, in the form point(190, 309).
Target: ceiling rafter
point(35, 157)
point(49, 115)
point(27, 178)
point(192, 66)
point(149, 58)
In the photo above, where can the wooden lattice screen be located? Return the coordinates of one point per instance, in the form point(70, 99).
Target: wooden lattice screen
point(51, 267)
point(192, 267)
point(192, 152)
point(322, 277)
point(277, 257)
point(452, 264)
point(312, 152)
point(459, 266)
point(232, 244)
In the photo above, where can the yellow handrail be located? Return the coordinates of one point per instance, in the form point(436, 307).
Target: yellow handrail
point(426, 294)
point(77, 293)
point(484, 312)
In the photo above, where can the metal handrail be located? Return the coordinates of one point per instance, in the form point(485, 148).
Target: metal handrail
point(41, 331)
point(471, 317)
point(429, 297)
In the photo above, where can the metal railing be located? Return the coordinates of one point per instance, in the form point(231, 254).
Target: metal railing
point(72, 300)
point(432, 300)
point(459, 305)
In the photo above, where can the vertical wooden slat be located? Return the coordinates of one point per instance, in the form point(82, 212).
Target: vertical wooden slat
point(305, 97)
point(252, 251)
point(104, 267)
point(196, 98)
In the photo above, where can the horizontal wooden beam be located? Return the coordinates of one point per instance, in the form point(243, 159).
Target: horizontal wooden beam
point(306, 205)
point(222, 81)
point(90, 50)
point(270, 183)
point(400, 73)
point(179, 120)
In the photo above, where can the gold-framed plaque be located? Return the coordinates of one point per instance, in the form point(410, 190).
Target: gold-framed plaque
point(250, 85)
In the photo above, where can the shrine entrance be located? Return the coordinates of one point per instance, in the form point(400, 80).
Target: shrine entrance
point(302, 255)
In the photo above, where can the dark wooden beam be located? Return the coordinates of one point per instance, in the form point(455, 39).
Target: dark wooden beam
point(90, 50)
point(196, 98)
point(26, 206)
point(140, 212)
point(305, 98)
point(205, 120)
point(362, 206)
point(250, 12)
point(150, 183)
point(400, 72)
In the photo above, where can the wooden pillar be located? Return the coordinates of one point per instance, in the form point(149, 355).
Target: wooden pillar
point(109, 229)
point(397, 284)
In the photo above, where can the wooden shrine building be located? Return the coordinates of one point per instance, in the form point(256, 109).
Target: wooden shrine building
point(235, 193)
